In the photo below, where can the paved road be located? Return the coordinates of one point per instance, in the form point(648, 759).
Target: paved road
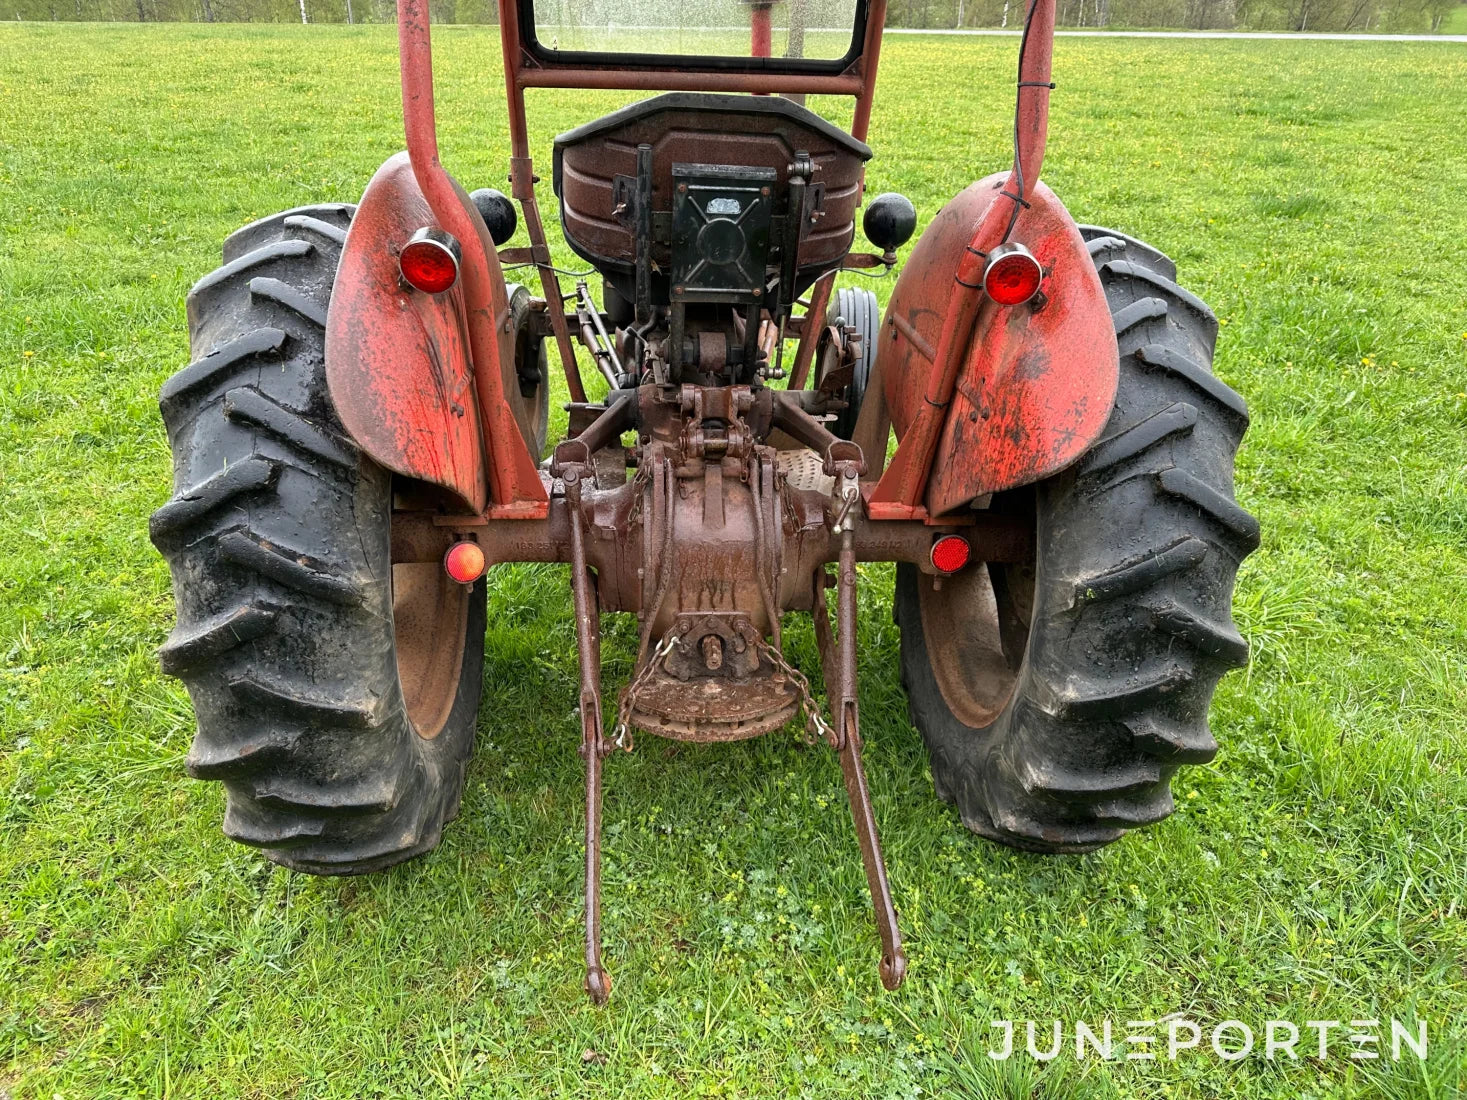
point(1210, 34)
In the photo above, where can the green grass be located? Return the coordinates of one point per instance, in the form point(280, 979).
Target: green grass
point(1317, 870)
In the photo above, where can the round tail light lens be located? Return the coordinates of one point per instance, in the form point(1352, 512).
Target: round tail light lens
point(429, 261)
point(1013, 275)
point(950, 553)
point(465, 562)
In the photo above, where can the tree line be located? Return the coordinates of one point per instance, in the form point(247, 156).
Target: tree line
point(1391, 16)
point(1386, 16)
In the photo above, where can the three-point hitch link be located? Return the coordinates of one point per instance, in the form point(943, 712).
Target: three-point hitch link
point(594, 745)
point(838, 662)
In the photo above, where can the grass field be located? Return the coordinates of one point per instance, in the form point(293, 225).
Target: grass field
point(1317, 870)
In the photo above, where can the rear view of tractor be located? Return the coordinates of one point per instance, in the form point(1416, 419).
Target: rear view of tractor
point(362, 435)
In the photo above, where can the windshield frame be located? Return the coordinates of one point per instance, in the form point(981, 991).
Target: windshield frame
point(690, 63)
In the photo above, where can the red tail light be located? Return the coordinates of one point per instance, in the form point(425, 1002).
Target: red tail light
point(429, 261)
point(950, 553)
point(465, 562)
point(1013, 275)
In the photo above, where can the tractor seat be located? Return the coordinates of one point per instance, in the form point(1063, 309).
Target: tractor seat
point(595, 172)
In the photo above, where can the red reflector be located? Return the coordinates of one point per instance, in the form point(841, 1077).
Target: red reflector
point(465, 562)
point(429, 262)
point(950, 553)
point(1013, 275)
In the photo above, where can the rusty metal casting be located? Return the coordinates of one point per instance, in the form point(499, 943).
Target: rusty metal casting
point(710, 680)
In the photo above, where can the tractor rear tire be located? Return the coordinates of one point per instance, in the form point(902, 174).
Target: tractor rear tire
point(335, 694)
point(1057, 698)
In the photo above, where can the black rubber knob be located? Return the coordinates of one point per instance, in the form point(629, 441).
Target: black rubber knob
point(890, 221)
point(498, 213)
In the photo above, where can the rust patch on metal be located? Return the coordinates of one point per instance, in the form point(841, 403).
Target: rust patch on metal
point(715, 708)
point(397, 361)
point(1036, 385)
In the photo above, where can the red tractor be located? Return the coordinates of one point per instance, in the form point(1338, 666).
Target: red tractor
point(361, 433)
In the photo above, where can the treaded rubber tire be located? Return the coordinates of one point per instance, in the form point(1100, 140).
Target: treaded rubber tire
point(1138, 544)
point(861, 312)
point(278, 539)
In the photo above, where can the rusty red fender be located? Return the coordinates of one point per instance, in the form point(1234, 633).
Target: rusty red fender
point(399, 363)
point(1036, 386)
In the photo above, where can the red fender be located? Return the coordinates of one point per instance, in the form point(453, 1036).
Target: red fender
point(399, 363)
point(1036, 385)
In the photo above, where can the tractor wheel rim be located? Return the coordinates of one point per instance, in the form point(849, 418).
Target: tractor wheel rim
point(975, 661)
point(430, 612)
